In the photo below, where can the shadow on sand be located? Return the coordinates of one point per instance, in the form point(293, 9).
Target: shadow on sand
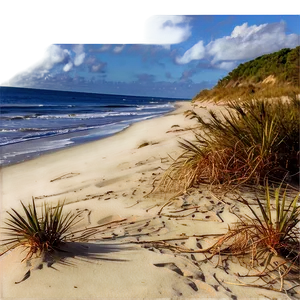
point(71, 252)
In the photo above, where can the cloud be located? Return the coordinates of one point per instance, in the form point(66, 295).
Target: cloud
point(54, 56)
point(247, 42)
point(95, 65)
point(217, 65)
point(177, 58)
point(104, 46)
point(64, 81)
point(167, 30)
point(197, 51)
point(187, 74)
point(61, 58)
point(149, 53)
point(119, 48)
point(79, 48)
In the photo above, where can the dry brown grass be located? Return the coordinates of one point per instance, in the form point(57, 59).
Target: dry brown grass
point(247, 92)
point(252, 141)
point(269, 241)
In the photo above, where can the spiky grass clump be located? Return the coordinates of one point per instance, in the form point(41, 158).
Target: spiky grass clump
point(247, 143)
point(38, 233)
point(270, 234)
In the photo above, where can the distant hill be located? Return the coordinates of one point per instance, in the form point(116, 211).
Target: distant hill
point(271, 75)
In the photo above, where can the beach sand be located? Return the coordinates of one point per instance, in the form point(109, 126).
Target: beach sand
point(109, 182)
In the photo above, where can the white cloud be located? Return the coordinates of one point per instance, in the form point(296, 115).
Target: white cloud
point(247, 42)
point(119, 49)
point(68, 66)
point(226, 65)
point(197, 51)
point(80, 55)
point(165, 30)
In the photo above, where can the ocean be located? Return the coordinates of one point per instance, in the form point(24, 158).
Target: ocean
point(34, 122)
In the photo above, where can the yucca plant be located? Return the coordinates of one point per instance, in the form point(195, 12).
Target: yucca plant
point(38, 233)
point(281, 233)
point(266, 235)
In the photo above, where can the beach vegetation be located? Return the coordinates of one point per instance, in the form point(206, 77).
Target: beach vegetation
point(38, 232)
point(283, 63)
point(268, 76)
point(249, 142)
point(271, 234)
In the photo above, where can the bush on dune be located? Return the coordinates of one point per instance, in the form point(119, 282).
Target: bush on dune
point(248, 143)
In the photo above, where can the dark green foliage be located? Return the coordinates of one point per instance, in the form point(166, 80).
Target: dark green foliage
point(38, 233)
point(247, 80)
point(284, 65)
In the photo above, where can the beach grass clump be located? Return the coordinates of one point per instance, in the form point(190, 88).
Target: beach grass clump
point(38, 233)
point(269, 233)
point(249, 142)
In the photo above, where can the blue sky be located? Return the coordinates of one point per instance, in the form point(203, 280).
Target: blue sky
point(180, 55)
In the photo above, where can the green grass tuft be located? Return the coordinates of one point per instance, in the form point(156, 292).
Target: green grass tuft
point(274, 233)
point(38, 233)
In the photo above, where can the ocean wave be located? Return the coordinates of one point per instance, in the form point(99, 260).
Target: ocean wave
point(19, 117)
point(8, 130)
point(17, 135)
point(50, 145)
point(43, 133)
point(117, 105)
point(92, 115)
point(167, 105)
point(89, 115)
point(64, 116)
point(11, 105)
point(108, 114)
point(62, 105)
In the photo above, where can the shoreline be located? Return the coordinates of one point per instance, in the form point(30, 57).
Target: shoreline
point(62, 158)
point(108, 181)
point(176, 106)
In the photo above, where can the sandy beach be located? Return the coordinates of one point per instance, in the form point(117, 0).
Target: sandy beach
point(109, 181)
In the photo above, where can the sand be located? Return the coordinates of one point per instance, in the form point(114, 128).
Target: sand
point(109, 182)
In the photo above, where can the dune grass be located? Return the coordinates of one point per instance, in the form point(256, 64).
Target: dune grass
point(272, 234)
point(38, 233)
point(250, 142)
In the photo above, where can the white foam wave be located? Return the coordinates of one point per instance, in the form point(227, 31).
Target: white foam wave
point(8, 130)
point(46, 146)
point(167, 105)
point(91, 115)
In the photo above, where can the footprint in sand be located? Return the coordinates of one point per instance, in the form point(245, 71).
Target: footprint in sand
point(174, 268)
point(110, 219)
